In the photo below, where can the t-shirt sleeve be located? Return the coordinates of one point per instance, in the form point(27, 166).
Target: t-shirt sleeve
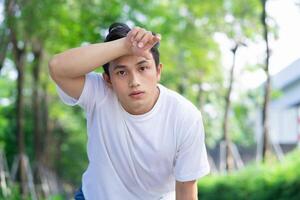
point(94, 90)
point(191, 159)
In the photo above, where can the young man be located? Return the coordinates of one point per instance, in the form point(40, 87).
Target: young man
point(145, 142)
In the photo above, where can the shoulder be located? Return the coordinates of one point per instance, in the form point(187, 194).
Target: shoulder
point(97, 87)
point(186, 118)
point(95, 77)
point(180, 106)
point(96, 80)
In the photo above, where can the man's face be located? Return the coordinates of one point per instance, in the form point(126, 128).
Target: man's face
point(134, 80)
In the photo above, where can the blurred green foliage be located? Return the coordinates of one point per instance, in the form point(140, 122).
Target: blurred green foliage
point(15, 195)
point(280, 181)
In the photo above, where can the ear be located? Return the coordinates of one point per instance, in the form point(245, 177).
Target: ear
point(107, 79)
point(158, 71)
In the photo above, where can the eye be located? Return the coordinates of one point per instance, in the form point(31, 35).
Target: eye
point(121, 73)
point(143, 68)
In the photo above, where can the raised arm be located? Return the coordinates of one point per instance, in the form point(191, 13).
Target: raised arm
point(68, 69)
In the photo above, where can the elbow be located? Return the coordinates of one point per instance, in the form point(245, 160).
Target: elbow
point(53, 67)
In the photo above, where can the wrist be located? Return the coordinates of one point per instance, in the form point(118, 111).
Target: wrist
point(124, 46)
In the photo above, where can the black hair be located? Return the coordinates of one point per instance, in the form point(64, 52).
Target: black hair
point(119, 30)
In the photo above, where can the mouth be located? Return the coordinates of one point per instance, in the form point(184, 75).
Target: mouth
point(136, 94)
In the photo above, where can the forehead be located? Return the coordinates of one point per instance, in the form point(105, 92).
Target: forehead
point(130, 60)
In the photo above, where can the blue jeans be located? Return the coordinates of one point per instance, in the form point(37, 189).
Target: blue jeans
point(79, 194)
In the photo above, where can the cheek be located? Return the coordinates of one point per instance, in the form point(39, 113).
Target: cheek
point(152, 76)
point(119, 85)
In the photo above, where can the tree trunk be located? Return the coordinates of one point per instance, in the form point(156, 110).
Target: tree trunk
point(181, 87)
point(36, 100)
point(19, 59)
point(229, 157)
point(4, 39)
point(267, 88)
point(37, 52)
point(47, 127)
point(200, 97)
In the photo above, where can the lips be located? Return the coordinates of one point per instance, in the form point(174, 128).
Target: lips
point(136, 94)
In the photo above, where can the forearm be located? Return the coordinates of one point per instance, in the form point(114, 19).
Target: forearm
point(186, 196)
point(186, 190)
point(82, 60)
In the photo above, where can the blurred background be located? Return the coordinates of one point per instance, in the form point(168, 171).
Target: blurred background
point(238, 61)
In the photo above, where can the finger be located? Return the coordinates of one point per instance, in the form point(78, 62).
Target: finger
point(133, 33)
point(134, 43)
point(147, 37)
point(140, 35)
point(155, 39)
point(147, 46)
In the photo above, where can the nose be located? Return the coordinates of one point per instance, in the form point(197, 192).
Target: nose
point(134, 81)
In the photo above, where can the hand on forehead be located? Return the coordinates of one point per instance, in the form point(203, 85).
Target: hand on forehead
point(143, 38)
point(141, 41)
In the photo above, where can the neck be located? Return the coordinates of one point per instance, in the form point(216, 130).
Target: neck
point(142, 109)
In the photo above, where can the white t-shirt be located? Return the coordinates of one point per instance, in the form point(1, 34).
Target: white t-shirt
point(134, 157)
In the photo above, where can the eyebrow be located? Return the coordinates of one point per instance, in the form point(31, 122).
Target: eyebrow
point(124, 66)
point(119, 67)
point(141, 62)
